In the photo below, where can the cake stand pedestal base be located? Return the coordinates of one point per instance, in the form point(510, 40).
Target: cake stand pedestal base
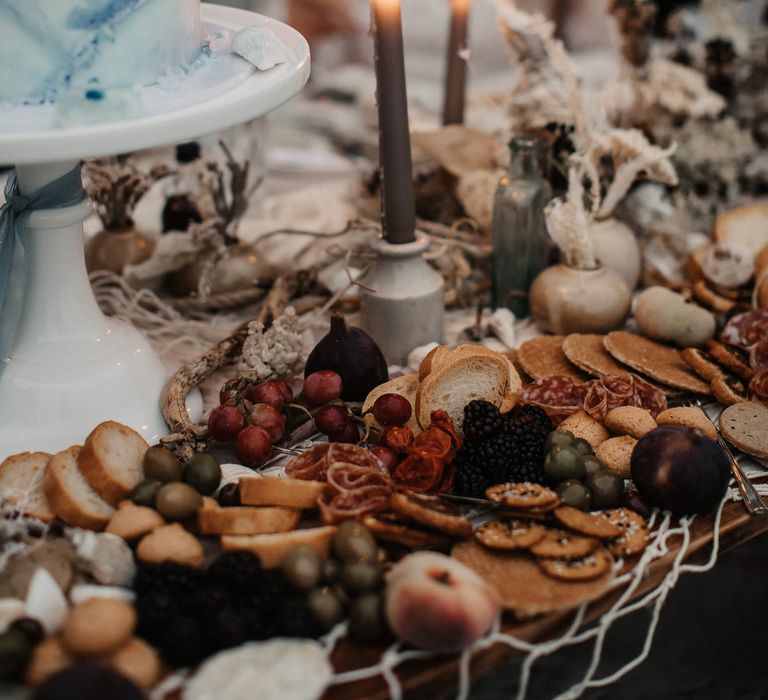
point(405, 306)
point(71, 367)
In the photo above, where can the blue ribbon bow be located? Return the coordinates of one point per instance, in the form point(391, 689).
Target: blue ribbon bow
point(65, 191)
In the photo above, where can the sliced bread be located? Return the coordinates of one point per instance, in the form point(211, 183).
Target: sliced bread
point(70, 496)
point(245, 520)
point(406, 386)
point(280, 491)
point(112, 460)
point(271, 549)
point(747, 224)
point(21, 484)
point(451, 388)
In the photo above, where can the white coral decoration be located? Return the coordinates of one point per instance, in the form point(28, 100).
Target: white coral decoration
point(275, 352)
point(568, 224)
point(261, 47)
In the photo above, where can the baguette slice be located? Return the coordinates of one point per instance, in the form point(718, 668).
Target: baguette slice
point(112, 460)
point(280, 491)
point(747, 224)
point(406, 386)
point(271, 549)
point(214, 520)
point(70, 496)
point(21, 484)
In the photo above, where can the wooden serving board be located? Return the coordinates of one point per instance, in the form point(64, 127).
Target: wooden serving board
point(439, 674)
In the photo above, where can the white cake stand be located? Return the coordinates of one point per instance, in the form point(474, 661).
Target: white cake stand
point(71, 367)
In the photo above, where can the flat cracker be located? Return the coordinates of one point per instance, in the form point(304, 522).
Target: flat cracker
point(390, 528)
point(432, 512)
point(587, 352)
point(559, 544)
point(507, 535)
point(635, 532)
point(745, 426)
point(590, 524)
point(701, 363)
point(543, 357)
point(523, 496)
point(523, 587)
point(658, 361)
point(590, 567)
point(728, 390)
point(731, 358)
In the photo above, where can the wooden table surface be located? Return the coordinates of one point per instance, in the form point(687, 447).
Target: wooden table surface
point(422, 678)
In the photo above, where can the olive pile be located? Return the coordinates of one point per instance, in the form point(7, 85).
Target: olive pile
point(581, 479)
point(176, 490)
point(350, 582)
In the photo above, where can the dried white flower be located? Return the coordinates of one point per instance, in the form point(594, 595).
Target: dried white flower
point(275, 352)
point(568, 224)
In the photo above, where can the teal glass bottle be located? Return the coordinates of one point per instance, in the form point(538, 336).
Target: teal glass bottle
point(521, 245)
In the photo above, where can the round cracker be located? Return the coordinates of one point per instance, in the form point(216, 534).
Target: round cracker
point(587, 352)
point(507, 535)
point(431, 511)
point(523, 495)
point(543, 357)
point(635, 532)
point(728, 390)
point(390, 529)
point(559, 544)
point(700, 363)
point(745, 426)
point(590, 567)
point(731, 358)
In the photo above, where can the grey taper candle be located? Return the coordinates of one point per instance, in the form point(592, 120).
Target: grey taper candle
point(398, 204)
point(456, 64)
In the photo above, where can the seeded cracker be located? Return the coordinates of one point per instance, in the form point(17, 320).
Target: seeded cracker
point(523, 496)
point(658, 361)
point(745, 426)
point(559, 544)
point(635, 532)
point(592, 524)
point(509, 534)
point(590, 567)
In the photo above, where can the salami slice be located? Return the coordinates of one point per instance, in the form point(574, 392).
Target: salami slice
point(354, 490)
point(647, 396)
point(559, 396)
point(758, 387)
point(596, 401)
point(620, 391)
point(310, 465)
point(351, 454)
point(758, 355)
point(746, 329)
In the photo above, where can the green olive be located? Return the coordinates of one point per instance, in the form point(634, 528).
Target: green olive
point(162, 465)
point(563, 462)
point(573, 493)
point(178, 501)
point(559, 437)
point(325, 607)
point(582, 447)
point(360, 577)
point(145, 493)
point(354, 542)
point(303, 567)
point(592, 464)
point(203, 473)
point(366, 618)
point(607, 488)
point(15, 652)
point(331, 570)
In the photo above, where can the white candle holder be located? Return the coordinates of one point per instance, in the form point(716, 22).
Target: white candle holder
point(404, 306)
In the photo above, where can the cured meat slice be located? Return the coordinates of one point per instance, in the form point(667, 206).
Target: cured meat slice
point(746, 329)
point(648, 396)
point(596, 402)
point(758, 355)
point(419, 472)
point(351, 454)
point(559, 396)
point(310, 465)
point(758, 387)
point(354, 490)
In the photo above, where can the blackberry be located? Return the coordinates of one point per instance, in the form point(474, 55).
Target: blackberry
point(166, 578)
point(236, 569)
point(529, 429)
point(471, 477)
point(482, 420)
point(482, 465)
point(527, 471)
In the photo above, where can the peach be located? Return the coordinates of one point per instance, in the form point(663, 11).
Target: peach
point(436, 603)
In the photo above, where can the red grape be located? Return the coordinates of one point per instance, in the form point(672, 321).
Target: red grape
point(266, 392)
point(225, 422)
point(230, 391)
point(322, 387)
point(331, 419)
point(285, 388)
point(392, 409)
point(349, 433)
point(387, 457)
point(264, 416)
point(253, 446)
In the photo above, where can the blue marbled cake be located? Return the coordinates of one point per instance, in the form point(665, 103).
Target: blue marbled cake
point(50, 46)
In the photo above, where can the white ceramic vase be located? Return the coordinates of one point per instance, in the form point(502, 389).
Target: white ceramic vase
point(616, 247)
point(568, 300)
point(404, 307)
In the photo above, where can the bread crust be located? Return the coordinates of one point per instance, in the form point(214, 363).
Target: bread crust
point(62, 502)
point(280, 491)
point(247, 520)
point(271, 549)
point(108, 483)
point(40, 510)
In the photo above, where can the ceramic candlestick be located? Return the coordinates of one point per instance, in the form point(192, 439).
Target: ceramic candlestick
point(404, 305)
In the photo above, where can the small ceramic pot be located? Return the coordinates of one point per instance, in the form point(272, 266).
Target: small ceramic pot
point(242, 268)
point(113, 250)
point(567, 300)
point(405, 306)
point(616, 247)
